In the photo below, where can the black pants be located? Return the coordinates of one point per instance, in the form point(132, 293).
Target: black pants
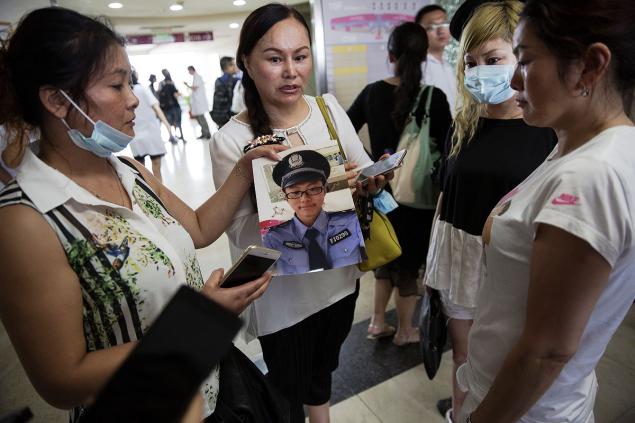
point(302, 357)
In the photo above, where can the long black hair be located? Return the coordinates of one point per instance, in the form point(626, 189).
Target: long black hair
point(254, 28)
point(408, 44)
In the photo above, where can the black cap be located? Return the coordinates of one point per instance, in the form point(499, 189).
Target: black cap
point(464, 13)
point(301, 166)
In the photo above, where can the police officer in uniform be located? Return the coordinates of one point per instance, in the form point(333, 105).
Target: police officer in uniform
point(313, 239)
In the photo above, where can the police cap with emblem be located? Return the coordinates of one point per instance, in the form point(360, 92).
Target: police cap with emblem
point(464, 13)
point(301, 166)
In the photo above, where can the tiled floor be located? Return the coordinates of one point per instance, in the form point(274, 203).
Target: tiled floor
point(401, 396)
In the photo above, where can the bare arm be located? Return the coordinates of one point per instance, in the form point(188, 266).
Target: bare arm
point(41, 308)
point(211, 219)
point(161, 116)
point(567, 277)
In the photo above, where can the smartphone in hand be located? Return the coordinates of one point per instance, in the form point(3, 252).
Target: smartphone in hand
point(251, 265)
point(382, 167)
point(158, 380)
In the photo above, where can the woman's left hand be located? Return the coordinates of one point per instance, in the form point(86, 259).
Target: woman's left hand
point(375, 183)
point(235, 299)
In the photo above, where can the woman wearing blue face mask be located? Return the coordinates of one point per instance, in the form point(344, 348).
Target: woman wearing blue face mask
point(488, 152)
point(92, 246)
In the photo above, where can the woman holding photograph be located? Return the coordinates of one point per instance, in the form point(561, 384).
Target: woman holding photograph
point(302, 320)
point(92, 247)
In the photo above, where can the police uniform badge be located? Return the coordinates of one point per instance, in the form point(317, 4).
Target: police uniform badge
point(295, 161)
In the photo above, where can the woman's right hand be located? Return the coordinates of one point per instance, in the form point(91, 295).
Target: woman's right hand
point(269, 151)
point(238, 298)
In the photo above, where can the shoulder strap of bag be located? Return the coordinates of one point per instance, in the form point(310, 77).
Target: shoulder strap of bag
point(426, 116)
point(415, 106)
point(428, 102)
point(329, 124)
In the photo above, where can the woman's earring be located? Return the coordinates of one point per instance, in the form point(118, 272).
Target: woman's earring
point(584, 92)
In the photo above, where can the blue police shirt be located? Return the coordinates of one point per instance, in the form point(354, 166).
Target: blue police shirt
point(340, 238)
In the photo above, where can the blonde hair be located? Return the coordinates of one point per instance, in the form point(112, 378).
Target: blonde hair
point(489, 21)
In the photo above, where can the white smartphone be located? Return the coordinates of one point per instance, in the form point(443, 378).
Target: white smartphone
point(382, 167)
point(253, 262)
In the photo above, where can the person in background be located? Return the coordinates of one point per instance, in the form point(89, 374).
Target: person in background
point(153, 79)
point(147, 139)
point(169, 102)
point(489, 151)
point(92, 246)
point(436, 70)
point(224, 91)
point(198, 102)
point(560, 247)
point(407, 47)
point(302, 320)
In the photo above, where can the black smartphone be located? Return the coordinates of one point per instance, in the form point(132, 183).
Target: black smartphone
point(163, 373)
point(382, 167)
point(253, 262)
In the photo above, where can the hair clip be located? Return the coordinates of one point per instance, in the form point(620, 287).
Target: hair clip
point(263, 140)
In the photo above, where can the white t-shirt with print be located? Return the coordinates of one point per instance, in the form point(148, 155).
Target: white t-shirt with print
point(590, 193)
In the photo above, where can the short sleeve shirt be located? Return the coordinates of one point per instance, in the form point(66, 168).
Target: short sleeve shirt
point(589, 193)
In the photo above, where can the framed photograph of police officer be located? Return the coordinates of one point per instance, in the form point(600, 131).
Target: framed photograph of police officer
point(306, 210)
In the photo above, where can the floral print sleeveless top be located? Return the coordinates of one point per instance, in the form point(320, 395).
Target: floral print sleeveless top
point(129, 262)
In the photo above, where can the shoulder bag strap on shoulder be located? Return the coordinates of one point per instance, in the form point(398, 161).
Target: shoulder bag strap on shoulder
point(428, 101)
point(329, 124)
point(415, 106)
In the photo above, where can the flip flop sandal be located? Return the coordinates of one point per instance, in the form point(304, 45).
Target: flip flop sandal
point(403, 341)
point(384, 331)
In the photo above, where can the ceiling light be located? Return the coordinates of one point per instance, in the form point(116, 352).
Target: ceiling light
point(239, 2)
point(115, 5)
point(177, 6)
point(234, 25)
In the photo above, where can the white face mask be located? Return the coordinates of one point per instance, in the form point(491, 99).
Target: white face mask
point(104, 140)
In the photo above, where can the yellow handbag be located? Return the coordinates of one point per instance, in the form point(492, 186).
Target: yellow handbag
point(382, 245)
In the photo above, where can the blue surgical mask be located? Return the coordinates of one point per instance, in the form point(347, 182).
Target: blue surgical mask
point(490, 84)
point(384, 202)
point(104, 140)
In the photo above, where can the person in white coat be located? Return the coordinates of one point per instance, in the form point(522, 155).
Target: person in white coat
point(147, 140)
point(198, 101)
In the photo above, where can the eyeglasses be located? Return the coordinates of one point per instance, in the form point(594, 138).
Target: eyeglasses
point(294, 195)
point(436, 27)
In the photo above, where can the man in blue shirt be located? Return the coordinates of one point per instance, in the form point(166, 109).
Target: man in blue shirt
point(313, 239)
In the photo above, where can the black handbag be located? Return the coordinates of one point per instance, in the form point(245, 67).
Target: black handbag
point(433, 331)
point(245, 395)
